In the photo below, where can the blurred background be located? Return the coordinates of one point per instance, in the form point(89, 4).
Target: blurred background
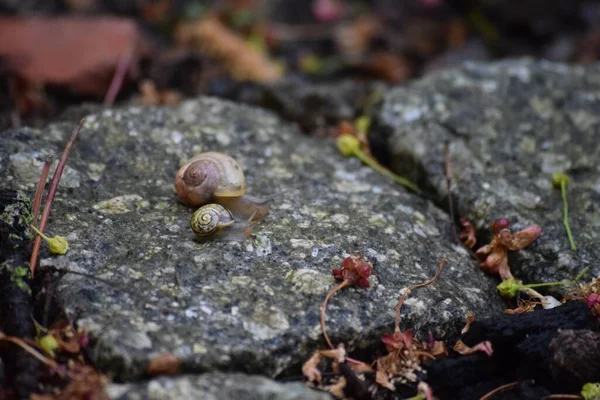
point(59, 53)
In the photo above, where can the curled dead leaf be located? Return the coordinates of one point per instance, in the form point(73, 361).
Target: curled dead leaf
point(461, 348)
point(310, 368)
point(470, 319)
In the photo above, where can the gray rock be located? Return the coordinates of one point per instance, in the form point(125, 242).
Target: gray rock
point(250, 306)
point(510, 125)
point(214, 386)
point(314, 106)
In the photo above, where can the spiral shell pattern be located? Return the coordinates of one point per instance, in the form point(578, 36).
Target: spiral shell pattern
point(209, 175)
point(209, 219)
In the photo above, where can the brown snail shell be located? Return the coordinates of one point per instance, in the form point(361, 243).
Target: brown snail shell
point(208, 176)
point(210, 219)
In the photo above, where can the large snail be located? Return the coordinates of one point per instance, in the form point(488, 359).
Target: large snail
point(213, 177)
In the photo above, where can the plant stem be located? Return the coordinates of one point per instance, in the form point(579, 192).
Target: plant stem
point(51, 194)
point(39, 191)
point(581, 274)
point(535, 285)
point(384, 171)
point(21, 343)
point(343, 284)
point(563, 190)
point(410, 288)
point(39, 233)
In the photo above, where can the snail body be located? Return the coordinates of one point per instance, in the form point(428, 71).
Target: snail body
point(211, 219)
point(214, 177)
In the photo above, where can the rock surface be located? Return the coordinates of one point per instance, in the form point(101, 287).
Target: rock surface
point(215, 386)
point(510, 126)
point(250, 306)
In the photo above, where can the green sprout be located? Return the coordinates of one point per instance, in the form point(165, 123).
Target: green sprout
point(362, 123)
point(49, 344)
point(591, 391)
point(349, 145)
point(561, 181)
point(510, 287)
point(17, 277)
point(58, 244)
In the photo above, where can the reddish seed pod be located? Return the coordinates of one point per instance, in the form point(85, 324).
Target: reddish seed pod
point(592, 300)
point(355, 269)
point(500, 224)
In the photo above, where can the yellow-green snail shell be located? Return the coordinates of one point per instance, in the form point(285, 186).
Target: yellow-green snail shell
point(210, 219)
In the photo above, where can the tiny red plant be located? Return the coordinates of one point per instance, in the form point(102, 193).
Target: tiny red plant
point(355, 271)
point(405, 354)
point(494, 256)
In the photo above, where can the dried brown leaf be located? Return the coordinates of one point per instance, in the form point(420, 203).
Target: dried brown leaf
point(470, 319)
point(215, 39)
point(337, 389)
point(78, 53)
point(461, 348)
point(439, 349)
point(310, 368)
point(381, 377)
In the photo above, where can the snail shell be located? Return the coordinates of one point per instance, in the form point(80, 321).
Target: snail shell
point(210, 219)
point(209, 175)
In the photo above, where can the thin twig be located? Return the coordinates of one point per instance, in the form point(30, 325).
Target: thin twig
point(19, 342)
point(118, 77)
point(448, 174)
point(51, 194)
point(563, 397)
point(39, 191)
point(410, 288)
point(343, 284)
point(504, 387)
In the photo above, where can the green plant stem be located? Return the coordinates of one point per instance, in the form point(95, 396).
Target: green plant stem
point(384, 171)
point(46, 238)
point(581, 274)
point(534, 285)
point(563, 190)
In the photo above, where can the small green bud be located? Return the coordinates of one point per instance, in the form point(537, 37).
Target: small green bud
point(591, 391)
point(558, 178)
point(48, 343)
point(58, 244)
point(509, 288)
point(361, 124)
point(348, 145)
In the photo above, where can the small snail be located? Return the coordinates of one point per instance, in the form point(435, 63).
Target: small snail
point(214, 177)
point(212, 220)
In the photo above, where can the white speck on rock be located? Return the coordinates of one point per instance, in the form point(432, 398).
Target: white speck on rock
point(263, 245)
point(340, 219)
point(417, 229)
point(301, 243)
point(191, 312)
